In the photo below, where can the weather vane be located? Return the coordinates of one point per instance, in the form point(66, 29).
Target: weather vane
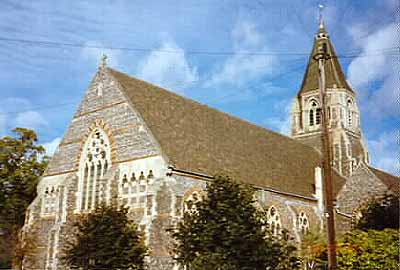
point(320, 11)
point(103, 63)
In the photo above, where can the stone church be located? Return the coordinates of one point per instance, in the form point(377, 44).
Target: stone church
point(138, 145)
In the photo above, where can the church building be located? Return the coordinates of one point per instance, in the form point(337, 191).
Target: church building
point(139, 145)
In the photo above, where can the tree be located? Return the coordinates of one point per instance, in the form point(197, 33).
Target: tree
point(21, 164)
point(225, 231)
point(106, 239)
point(369, 250)
point(380, 213)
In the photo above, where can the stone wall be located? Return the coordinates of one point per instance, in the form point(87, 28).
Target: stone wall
point(359, 189)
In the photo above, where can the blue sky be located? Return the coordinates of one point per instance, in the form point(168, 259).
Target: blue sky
point(246, 58)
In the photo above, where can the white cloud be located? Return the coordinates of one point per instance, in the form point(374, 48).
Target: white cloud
point(168, 67)
point(51, 146)
point(280, 123)
point(373, 66)
point(384, 152)
point(243, 66)
point(30, 119)
point(14, 112)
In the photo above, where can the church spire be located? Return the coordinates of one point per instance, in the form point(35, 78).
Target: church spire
point(334, 75)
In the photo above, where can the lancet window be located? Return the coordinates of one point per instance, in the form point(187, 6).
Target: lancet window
point(94, 164)
point(49, 201)
point(314, 114)
point(133, 187)
point(303, 223)
point(274, 220)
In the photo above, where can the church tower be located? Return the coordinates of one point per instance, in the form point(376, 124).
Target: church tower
point(346, 138)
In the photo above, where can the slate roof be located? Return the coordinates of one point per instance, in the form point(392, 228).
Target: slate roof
point(333, 70)
point(391, 181)
point(204, 140)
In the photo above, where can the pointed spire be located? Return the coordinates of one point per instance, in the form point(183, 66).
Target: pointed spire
point(335, 77)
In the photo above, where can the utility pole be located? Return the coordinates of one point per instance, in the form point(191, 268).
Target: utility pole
point(321, 56)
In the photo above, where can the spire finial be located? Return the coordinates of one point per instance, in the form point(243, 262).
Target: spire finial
point(103, 62)
point(320, 17)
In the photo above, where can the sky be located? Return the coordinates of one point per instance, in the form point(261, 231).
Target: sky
point(246, 58)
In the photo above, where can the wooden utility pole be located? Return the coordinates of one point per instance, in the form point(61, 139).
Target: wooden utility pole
point(321, 57)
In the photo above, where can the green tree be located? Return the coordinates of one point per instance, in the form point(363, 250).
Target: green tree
point(21, 164)
point(225, 231)
point(106, 239)
point(380, 213)
point(369, 250)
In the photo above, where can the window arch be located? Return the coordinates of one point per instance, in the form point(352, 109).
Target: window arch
point(314, 114)
point(304, 224)
point(274, 220)
point(94, 164)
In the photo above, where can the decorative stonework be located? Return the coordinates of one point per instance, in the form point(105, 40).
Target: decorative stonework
point(94, 163)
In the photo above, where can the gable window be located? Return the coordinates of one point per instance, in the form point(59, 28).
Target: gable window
point(94, 164)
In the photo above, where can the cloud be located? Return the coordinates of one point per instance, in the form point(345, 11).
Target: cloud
point(168, 67)
point(31, 120)
point(373, 66)
point(384, 152)
point(280, 123)
point(243, 66)
point(14, 112)
point(51, 146)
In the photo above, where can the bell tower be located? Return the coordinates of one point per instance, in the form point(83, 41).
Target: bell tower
point(346, 138)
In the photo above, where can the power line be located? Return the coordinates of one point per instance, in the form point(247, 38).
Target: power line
point(79, 45)
point(222, 53)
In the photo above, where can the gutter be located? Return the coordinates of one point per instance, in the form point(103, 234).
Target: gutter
point(206, 177)
point(343, 214)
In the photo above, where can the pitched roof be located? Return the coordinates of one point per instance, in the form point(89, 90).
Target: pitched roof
point(201, 139)
point(333, 70)
point(391, 181)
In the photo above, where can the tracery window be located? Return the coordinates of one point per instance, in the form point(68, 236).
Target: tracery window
point(274, 220)
point(304, 225)
point(94, 164)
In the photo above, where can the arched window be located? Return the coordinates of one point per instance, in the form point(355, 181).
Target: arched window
point(189, 203)
point(274, 220)
point(94, 164)
point(350, 112)
point(314, 114)
point(304, 225)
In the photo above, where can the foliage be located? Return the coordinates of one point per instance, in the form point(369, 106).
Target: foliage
point(225, 231)
point(380, 214)
point(313, 245)
point(21, 164)
point(106, 239)
point(369, 250)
